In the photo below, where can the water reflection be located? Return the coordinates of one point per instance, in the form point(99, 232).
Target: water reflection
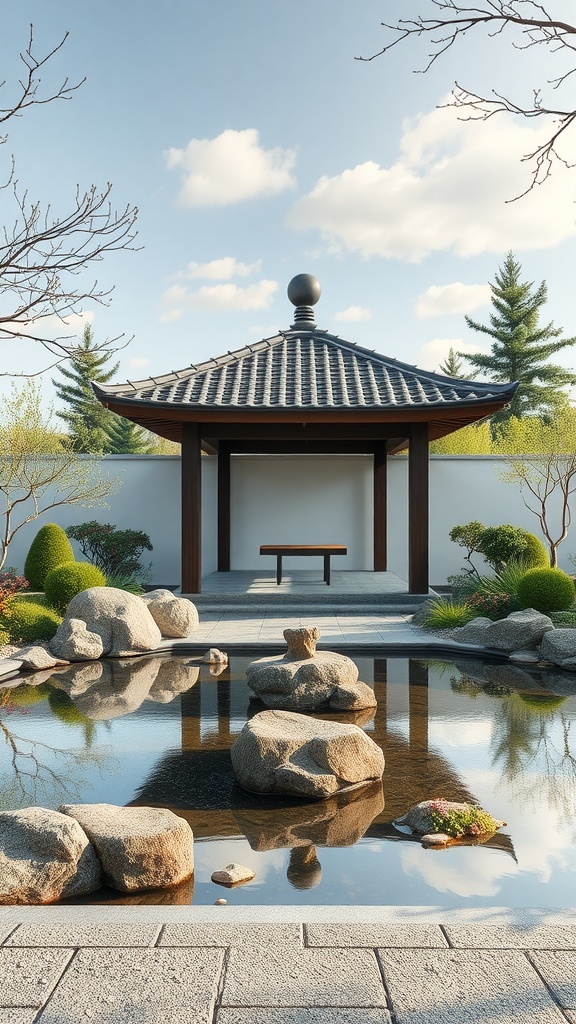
point(158, 731)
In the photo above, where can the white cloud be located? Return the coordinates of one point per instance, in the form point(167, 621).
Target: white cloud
point(231, 167)
point(435, 352)
point(170, 316)
point(452, 298)
point(222, 269)
point(447, 190)
point(220, 298)
point(353, 313)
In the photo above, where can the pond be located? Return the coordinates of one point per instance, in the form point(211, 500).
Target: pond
point(157, 731)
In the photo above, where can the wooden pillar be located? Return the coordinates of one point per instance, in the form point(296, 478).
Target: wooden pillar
point(380, 507)
point(418, 713)
point(224, 507)
point(191, 509)
point(418, 510)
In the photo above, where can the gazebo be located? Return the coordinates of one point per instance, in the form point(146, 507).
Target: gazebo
point(304, 391)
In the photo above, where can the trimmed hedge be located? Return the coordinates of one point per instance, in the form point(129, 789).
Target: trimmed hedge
point(28, 621)
point(534, 553)
point(547, 590)
point(49, 549)
point(69, 579)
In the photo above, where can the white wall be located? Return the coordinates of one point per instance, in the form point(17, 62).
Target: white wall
point(300, 499)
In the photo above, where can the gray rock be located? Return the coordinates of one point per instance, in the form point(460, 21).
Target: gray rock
point(37, 657)
point(282, 752)
point(139, 847)
point(73, 641)
point(174, 616)
point(421, 614)
point(44, 857)
point(215, 657)
point(9, 667)
point(233, 874)
point(559, 645)
point(301, 642)
point(517, 631)
point(326, 678)
point(525, 657)
point(121, 620)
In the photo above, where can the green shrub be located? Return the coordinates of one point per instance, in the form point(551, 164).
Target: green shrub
point(504, 582)
point(49, 548)
point(4, 637)
point(28, 621)
point(547, 590)
point(501, 544)
point(534, 553)
point(115, 552)
point(447, 614)
point(125, 582)
point(496, 605)
point(69, 579)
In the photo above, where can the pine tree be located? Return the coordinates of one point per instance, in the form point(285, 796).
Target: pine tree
point(521, 347)
point(86, 418)
point(127, 438)
point(452, 365)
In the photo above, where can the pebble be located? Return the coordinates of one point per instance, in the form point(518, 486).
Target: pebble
point(220, 903)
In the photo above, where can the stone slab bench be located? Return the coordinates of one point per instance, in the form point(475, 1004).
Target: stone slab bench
point(325, 550)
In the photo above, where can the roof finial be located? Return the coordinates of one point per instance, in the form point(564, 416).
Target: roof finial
point(304, 292)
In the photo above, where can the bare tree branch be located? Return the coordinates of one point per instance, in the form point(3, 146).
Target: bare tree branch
point(532, 26)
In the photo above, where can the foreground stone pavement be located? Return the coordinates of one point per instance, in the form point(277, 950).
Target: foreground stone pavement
point(286, 965)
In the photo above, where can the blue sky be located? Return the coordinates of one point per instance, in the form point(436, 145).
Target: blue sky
point(256, 147)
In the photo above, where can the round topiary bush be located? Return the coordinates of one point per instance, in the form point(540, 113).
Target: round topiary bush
point(49, 549)
point(547, 590)
point(69, 579)
point(534, 553)
point(27, 621)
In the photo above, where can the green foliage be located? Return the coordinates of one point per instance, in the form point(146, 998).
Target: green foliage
point(521, 347)
point(49, 549)
point(564, 620)
point(28, 621)
point(490, 606)
point(125, 582)
point(504, 582)
point(127, 438)
point(69, 579)
point(453, 366)
point(500, 544)
point(468, 821)
point(64, 708)
point(547, 590)
point(86, 418)
point(475, 439)
point(444, 613)
point(24, 696)
point(4, 637)
point(534, 553)
point(115, 552)
point(542, 702)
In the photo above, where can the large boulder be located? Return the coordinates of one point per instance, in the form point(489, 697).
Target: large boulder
point(282, 752)
point(175, 617)
point(138, 847)
point(121, 620)
point(559, 646)
point(326, 679)
point(516, 632)
point(44, 857)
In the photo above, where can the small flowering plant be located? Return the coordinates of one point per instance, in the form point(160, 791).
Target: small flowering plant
point(492, 606)
point(461, 820)
point(10, 584)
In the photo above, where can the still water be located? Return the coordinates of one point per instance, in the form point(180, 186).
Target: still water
point(157, 731)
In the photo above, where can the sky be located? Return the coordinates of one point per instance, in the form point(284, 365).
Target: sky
point(256, 146)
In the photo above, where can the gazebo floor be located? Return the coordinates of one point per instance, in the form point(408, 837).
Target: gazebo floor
point(304, 586)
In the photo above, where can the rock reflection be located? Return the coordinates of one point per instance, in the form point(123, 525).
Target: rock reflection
point(304, 870)
point(175, 895)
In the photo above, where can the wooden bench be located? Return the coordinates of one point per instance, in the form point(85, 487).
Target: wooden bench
point(326, 550)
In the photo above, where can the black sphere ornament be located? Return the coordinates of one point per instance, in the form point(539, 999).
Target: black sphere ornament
point(304, 290)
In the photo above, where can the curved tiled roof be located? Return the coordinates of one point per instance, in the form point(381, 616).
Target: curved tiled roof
point(304, 369)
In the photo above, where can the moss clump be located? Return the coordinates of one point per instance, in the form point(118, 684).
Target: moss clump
point(547, 590)
point(28, 621)
point(69, 579)
point(49, 548)
point(458, 822)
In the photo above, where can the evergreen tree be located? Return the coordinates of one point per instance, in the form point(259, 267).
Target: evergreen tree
point(87, 420)
point(521, 347)
point(127, 438)
point(453, 366)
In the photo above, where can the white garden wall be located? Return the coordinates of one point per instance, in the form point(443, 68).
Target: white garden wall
point(300, 499)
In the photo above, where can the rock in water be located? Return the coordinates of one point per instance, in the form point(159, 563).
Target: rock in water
point(286, 753)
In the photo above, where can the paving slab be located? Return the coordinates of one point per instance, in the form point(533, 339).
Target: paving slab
point(373, 935)
point(559, 972)
point(466, 987)
point(507, 937)
point(75, 935)
point(284, 976)
point(260, 935)
point(18, 1015)
point(27, 976)
point(147, 986)
point(312, 1015)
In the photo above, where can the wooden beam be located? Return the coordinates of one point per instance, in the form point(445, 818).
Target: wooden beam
point(224, 507)
point(191, 510)
point(380, 508)
point(418, 510)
